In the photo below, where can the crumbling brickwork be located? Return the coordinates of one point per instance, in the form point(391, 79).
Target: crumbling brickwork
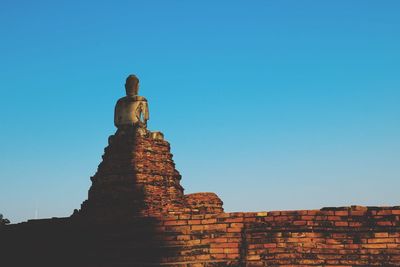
point(137, 176)
point(204, 203)
point(349, 236)
point(355, 236)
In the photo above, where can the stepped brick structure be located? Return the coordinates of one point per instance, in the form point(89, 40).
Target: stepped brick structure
point(137, 214)
point(137, 177)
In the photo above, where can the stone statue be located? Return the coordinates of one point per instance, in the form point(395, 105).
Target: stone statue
point(132, 110)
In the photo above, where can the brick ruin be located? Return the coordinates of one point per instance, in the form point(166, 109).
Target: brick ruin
point(137, 214)
point(137, 177)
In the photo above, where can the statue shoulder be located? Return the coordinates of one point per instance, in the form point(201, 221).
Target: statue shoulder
point(122, 99)
point(139, 98)
point(131, 99)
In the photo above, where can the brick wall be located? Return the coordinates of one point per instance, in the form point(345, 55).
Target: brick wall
point(355, 236)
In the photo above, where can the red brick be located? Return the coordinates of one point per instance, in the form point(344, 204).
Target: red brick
point(172, 223)
point(233, 220)
point(341, 213)
point(224, 245)
point(341, 224)
point(234, 230)
point(216, 250)
point(375, 246)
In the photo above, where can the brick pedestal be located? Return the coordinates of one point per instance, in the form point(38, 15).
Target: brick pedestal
point(136, 177)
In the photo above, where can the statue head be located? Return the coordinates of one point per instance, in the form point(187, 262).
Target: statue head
point(132, 85)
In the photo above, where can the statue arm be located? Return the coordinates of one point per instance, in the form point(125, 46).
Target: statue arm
point(146, 112)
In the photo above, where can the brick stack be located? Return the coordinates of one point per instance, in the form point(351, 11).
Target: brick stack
point(349, 236)
point(136, 177)
point(204, 202)
point(336, 237)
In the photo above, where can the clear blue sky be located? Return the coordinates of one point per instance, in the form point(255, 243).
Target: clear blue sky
point(271, 104)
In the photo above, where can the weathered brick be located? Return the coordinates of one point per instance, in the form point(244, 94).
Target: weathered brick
point(234, 230)
point(216, 250)
point(233, 220)
point(194, 222)
point(381, 240)
point(173, 223)
point(341, 223)
point(231, 250)
point(208, 221)
point(224, 245)
point(375, 246)
point(197, 227)
point(341, 213)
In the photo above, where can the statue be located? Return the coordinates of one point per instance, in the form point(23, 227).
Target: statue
point(132, 110)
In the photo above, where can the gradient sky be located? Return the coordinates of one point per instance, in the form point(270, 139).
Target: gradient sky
point(271, 104)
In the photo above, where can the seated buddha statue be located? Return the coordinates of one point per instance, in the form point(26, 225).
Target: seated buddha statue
point(132, 110)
